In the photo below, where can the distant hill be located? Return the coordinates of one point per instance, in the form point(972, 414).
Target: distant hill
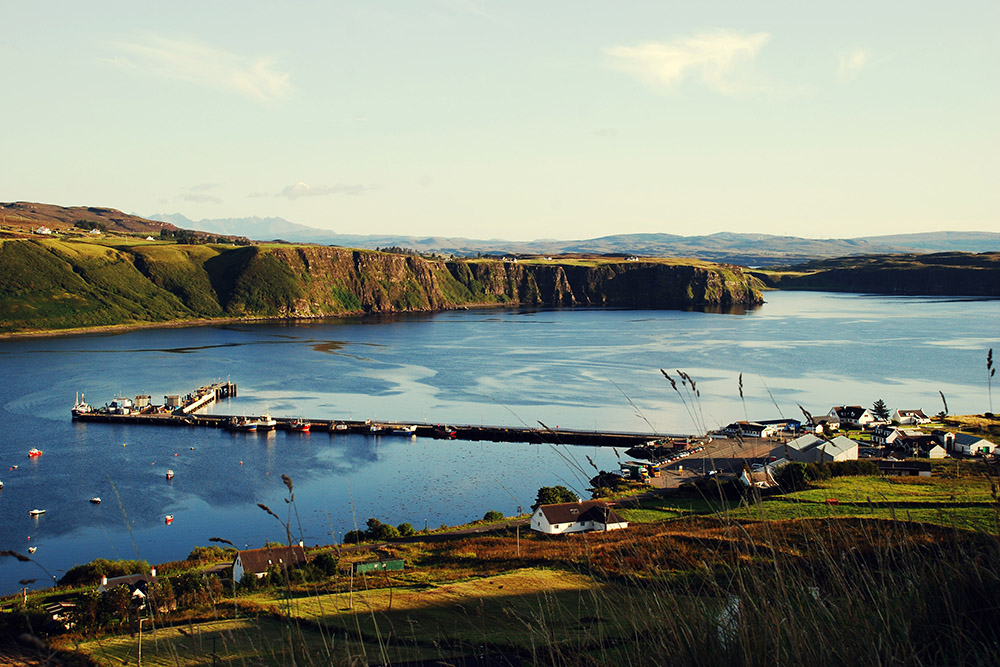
point(933, 274)
point(726, 247)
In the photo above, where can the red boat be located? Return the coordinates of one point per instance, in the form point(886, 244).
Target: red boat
point(300, 426)
point(445, 432)
point(34, 453)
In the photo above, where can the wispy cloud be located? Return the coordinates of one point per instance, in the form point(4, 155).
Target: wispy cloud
point(851, 64)
point(201, 198)
point(207, 66)
point(713, 58)
point(301, 189)
point(202, 194)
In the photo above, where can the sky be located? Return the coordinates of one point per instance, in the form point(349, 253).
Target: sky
point(511, 119)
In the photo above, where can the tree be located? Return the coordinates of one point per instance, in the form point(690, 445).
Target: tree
point(405, 529)
point(493, 516)
point(880, 410)
point(553, 495)
point(326, 563)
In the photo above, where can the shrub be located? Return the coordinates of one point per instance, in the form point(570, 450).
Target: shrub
point(405, 530)
point(493, 516)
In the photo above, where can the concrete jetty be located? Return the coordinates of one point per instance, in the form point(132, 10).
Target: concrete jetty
point(184, 413)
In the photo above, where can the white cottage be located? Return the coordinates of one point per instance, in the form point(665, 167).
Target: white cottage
point(576, 518)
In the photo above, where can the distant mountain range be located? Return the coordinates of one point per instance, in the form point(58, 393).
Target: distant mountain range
point(727, 247)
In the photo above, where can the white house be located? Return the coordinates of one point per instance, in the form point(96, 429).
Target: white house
point(971, 445)
point(576, 518)
point(910, 417)
point(257, 561)
point(814, 449)
point(851, 416)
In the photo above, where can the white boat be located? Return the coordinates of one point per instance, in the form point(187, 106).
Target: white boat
point(168, 519)
point(96, 500)
point(32, 550)
point(36, 512)
point(170, 474)
point(1, 484)
point(266, 422)
point(81, 407)
point(405, 430)
point(340, 427)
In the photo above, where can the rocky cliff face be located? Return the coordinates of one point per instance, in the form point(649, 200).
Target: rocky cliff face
point(336, 280)
point(55, 284)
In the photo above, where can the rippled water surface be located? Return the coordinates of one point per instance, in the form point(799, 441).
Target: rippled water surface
point(573, 368)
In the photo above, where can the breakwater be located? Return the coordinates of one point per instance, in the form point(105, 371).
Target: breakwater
point(182, 412)
point(624, 439)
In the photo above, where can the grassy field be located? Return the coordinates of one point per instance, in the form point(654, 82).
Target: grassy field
point(964, 501)
point(528, 611)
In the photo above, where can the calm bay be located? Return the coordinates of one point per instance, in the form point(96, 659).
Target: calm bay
point(574, 368)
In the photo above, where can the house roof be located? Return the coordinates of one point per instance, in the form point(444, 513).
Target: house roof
point(914, 413)
point(833, 447)
point(258, 560)
point(587, 510)
point(920, 466)
point(852, 412)
point(966, 439)
point(129, 580)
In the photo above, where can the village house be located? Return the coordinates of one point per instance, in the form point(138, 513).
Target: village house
point(814, 449)
point(851, 416)
point(137, 584)
point(883, 434)
point(761, 429)
point(971, 445)
point(578, 517)
point(905, 468)
point(910, 417)
point(257, 561)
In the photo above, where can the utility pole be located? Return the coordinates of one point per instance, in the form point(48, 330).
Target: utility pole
point(139, 660)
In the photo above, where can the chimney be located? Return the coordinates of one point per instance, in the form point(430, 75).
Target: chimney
point(152, 572)
point(104, 580)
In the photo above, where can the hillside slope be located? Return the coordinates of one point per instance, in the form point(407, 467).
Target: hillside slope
point(48, 284)
point(937, 274)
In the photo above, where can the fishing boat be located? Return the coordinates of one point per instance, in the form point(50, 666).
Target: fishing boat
point(170, 474)
point(300, 426)
point(1, 484)
point(96, 500)
point(168, 519)
point(81, 407)
point(36, 512)
point(408, 429)
point(242, 424)
point(34, 453)
point(445, 432)
point(266, 422)
point(340, 427)
point(32, 550)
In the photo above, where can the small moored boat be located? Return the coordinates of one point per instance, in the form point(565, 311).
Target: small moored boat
point(445, 432)
point(168, 519)
point(36, 512)
point(408, 429)
point(242, 424)
point(34, 452)
point(266, 422)
point(300, 426)
point(340, 427)
point(96, 500)
point(170, 474)
point(32, 550)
